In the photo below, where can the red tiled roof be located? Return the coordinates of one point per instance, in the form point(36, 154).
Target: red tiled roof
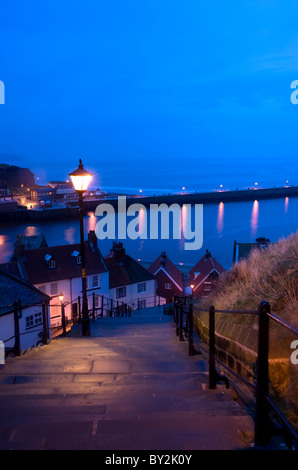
point(164, 263)
point(37, 271)
point(203, 268)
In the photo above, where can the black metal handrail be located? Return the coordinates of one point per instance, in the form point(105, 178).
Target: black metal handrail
point(107, 307)
point(264, 427)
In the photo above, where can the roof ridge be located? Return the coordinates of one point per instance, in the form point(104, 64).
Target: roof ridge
point(23, 281)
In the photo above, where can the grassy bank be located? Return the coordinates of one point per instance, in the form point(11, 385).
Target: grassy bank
point(268, 274)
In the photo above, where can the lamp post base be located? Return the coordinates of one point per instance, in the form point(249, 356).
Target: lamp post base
point(86, 327)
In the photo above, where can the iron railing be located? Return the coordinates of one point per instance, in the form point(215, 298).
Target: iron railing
point(105, 307)
point(265, 426)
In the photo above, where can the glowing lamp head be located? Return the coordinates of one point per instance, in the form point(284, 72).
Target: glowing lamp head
point(80, 178)
point(61, 297)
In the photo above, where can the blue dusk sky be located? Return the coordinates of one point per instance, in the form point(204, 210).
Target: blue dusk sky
point(151, 93)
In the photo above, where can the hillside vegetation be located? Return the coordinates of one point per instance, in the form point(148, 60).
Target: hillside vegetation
point(268, 274)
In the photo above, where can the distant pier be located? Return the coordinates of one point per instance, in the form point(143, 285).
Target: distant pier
point(24, 214)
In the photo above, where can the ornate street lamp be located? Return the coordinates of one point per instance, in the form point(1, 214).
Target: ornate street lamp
point(80, 179)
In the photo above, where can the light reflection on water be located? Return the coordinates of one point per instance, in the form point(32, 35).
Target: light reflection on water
point(220, 218)
point(254, 220)
point(222, 224)
point(286, 204)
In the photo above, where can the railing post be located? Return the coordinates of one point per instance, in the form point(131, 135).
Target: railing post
point(93, 305)
point(102, 303)
point(63, 319)
point(17, 344)
point(262, 420)
point(177, 318)
point(181, 324)
point(191, 351)
point(212, 369)
point(80, 314)
point(45, 334)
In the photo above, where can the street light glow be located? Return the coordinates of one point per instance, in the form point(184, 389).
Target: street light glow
point(80, 178)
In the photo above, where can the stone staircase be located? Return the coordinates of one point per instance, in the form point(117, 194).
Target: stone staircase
point(130, 386)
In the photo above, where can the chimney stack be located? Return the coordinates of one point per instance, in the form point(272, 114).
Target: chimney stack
point(163, 258)
point(119, 252)
point(19, 251)
point(92, 240)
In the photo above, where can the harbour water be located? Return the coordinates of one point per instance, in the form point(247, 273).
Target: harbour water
point(222, 224)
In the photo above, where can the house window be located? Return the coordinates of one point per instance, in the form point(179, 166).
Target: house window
point(38, 318)
point(77, 256)
point(95, 281)
point(142, 303)
point(120, 292)
point(52, 263)
point(141, 287)
point(168, 285)
point(32, 320)
point(29, 321)
point(54, 288)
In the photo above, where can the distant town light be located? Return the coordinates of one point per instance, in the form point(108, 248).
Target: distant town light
point(80, 178)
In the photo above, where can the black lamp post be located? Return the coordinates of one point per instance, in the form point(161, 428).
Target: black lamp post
point(80, 179)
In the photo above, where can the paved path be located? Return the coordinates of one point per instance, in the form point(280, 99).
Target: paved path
point(130, 386)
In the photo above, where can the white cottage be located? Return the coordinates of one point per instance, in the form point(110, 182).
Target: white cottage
point(130, 283)
point(57, 270)
point(24, 313)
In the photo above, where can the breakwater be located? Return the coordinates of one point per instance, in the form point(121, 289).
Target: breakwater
point(24, 215)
